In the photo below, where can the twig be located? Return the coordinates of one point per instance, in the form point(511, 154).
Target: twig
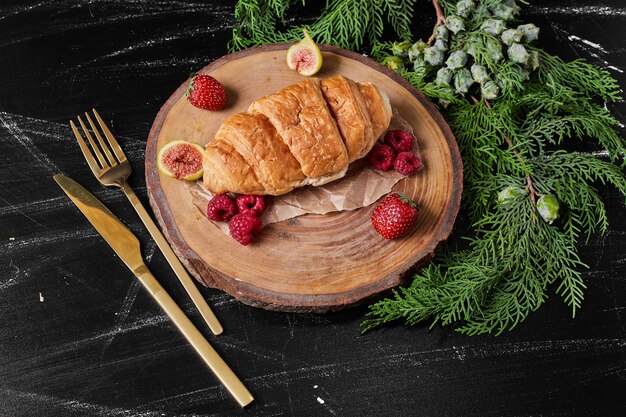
point(529, 182)
point(441, 19)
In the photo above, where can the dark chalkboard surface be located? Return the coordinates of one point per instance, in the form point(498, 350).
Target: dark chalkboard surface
point(80, 337)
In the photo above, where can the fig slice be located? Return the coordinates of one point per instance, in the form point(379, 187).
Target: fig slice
point(304, 56)
point(181, 159)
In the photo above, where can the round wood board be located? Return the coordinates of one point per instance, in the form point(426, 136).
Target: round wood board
point(312, 263)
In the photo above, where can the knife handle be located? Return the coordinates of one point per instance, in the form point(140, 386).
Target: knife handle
point(179, 269)
point(199, 343)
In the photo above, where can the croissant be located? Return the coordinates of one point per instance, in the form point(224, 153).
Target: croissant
point(304, 134)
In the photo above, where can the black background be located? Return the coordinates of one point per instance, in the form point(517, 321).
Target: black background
point(98, 345)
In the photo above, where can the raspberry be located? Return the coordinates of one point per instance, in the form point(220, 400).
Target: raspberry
point(254, 204)
point(381, 157)
point(244, 227)
point(221, 208)
point(400, 141)
point(407, 163)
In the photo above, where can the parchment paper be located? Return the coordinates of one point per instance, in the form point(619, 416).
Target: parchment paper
point(361, 186)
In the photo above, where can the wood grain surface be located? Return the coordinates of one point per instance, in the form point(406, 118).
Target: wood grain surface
point(80, 337)
point(312, 263)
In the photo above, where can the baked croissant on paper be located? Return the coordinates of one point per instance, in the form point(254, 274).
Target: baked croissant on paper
point(304, 134)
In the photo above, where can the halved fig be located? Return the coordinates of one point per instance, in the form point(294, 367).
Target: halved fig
point(181, 160)
point(304, 56)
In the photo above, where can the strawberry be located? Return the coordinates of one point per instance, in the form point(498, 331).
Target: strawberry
point(394, 216)
point(206, 92)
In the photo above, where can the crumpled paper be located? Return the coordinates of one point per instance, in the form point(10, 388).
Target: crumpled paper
point(361, 186)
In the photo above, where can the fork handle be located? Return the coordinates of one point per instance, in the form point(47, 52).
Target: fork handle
point(223, 372)
point(179, 269)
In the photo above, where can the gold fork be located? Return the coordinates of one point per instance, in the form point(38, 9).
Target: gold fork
point(112, 169)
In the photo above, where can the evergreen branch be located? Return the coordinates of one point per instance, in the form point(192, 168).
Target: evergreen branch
point(569, 176)
point(592, 124)
point(435, 294)
point(504, 276)
point(578, 75)
point(506, 133)
point(380, 50)
point(345, 23)
point(400, 16)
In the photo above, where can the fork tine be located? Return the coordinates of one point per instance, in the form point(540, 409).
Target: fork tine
point(94, 147)
point(103, 145)
point(91, 161)
point(114, 145)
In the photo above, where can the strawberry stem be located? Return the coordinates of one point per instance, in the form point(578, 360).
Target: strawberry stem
point(190, 86)
point(406, 199)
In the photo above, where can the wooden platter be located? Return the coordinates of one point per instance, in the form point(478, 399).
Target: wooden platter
point(312, 263)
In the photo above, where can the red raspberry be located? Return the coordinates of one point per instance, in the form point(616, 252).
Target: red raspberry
point(407, 163)
point(381, 157)
point(254, 204)
point(400, 141)
point(244, 227)
point(221, 208)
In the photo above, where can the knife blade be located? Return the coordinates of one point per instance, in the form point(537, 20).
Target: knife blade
point(117, 235)
point(126, 245)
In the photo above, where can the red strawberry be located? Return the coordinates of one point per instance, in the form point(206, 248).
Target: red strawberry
point(221, 208)
point(381, 157)
point(406, 163)
point(400, 141)
point(394, 216)
point(206, 92)
point(244, 227)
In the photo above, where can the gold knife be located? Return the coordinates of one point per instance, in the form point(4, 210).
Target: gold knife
point(126, 246)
